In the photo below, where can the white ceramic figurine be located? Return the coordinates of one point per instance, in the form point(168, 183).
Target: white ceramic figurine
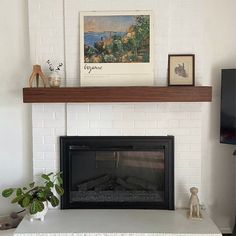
point(194, 206)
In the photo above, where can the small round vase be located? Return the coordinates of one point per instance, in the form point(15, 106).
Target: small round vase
point(38, 215)
point(54, 80)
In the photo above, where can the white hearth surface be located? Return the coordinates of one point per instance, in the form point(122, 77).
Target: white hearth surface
point(117, 222)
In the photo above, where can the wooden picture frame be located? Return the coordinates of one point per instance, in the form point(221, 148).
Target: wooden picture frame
point(181, 70)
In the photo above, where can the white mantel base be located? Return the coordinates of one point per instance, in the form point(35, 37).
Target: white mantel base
point(117, 222)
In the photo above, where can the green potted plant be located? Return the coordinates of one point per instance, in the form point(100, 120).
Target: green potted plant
point(34, 198)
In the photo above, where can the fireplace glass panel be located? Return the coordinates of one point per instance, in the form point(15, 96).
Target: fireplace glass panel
point(117, 176)
point(135, 172)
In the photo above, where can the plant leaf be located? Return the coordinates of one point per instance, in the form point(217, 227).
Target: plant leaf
point(25, 202)
point(17, 199)
point(40, 205)
point(18, 192)
point(33, 208)
point(36, 206)
point(20, 203)
point(45, 177)
point(41, 194)
point(59, 179)
point(54, 201)
point(32, 184)
point(49, 194)
point(24, 188)
point(51, 173)
point(58, 174)
point(50, 184)
point(59, 189)
point(7, 192)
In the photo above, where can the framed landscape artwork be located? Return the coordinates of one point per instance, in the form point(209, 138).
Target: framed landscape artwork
point(116, 48)
point(181, 69)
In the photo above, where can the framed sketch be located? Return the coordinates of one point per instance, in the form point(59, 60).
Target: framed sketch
point(181, 69)
point(116, 48)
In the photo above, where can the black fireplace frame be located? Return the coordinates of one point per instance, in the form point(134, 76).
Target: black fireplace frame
point(68, 143)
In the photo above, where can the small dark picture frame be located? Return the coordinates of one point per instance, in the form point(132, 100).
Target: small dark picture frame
point(181, 70)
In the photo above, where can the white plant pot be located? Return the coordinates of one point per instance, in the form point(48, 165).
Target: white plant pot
point(54, 80)
point(39, 215)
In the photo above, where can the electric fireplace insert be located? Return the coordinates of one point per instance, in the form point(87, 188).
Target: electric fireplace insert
point(117, 172)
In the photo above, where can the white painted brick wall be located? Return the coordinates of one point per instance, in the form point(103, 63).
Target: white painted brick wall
point(176, 31)
point(107, 119)
point(46, 33)
point(48, 121)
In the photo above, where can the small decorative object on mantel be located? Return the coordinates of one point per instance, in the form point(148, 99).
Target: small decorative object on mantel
point(34, 198)
point(194, 205)
point(181, 69)
point(54, 78)
point(36, 73)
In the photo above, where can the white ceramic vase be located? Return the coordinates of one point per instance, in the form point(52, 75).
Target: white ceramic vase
point(39, 215)
point(54, 80)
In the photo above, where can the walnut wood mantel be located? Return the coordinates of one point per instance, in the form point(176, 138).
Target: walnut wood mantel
point(118, 94)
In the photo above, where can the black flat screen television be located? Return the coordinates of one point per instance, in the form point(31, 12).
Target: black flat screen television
point(228, 106)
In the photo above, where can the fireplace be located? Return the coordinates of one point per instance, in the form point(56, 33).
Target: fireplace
point(117, 172)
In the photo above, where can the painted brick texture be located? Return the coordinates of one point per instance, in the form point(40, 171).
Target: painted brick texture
point(51, 121)
point(58, 43)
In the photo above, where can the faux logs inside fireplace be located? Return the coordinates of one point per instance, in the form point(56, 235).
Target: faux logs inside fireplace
point(117, 172)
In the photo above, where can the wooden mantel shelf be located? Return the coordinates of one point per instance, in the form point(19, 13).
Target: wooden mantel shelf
point(118, 94)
